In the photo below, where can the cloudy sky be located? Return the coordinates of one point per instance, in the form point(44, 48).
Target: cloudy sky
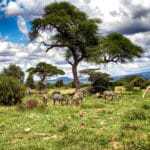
point(129, 17)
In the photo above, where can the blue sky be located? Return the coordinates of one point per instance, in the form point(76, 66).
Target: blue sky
point(9, 29)
point(129, 17)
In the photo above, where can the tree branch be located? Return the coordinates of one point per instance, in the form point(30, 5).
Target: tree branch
point(51, 46)
point(69, 62)
point(80, 59)
point(114, 59)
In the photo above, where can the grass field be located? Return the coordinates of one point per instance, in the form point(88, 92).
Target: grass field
point(123, 124)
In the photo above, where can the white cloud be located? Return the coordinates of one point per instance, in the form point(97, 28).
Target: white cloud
point(22, 25)
point(126, 16)
point(13, 9)
point(30, 54)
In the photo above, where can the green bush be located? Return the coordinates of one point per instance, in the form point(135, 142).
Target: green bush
point(59, 83)
point(146, 106)
point(11, 91)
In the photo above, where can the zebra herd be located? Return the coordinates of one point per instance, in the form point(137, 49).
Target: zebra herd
point(75, 98)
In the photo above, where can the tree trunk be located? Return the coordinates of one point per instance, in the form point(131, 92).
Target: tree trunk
point(43, 78)
point(75, 77)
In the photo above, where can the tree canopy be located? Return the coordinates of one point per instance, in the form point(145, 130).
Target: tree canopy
point(100, 81)
point(116, 48)
point(44, 70)
point(14, 71)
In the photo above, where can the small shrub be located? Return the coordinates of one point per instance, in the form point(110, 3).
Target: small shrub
point(11, 91)
point(104, 140)
point(136, 114)
point(30, 104)
point(146, 106)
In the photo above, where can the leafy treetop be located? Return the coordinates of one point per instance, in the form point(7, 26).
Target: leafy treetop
point(116, 48)
point(44, 70)
point(14, 71)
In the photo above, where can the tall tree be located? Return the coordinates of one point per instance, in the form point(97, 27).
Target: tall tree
point(115, 48)
point(14, 71)
point(74, 32)
point(44, 70)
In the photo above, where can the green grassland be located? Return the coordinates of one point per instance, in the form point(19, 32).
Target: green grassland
point(123, 124)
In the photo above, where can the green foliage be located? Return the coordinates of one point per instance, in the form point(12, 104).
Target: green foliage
point(59, 83)
point(11, 91)
point(137, 82)
point(116, 48)
point(104, 140)
point(146, 106)
point(14, 71)
point(44, 70)
point(100, 81)
point(30, 81)
point(132, 81)
point(75, 30)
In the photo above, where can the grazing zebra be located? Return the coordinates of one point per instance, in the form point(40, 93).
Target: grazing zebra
point(109, 95)
point(57, 97)
point(77, 98)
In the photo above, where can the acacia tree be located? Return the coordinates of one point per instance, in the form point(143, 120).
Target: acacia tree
point(14, 71)
point(115, 48)
point(44, 70)
point(99, 81)
point(74, 32)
